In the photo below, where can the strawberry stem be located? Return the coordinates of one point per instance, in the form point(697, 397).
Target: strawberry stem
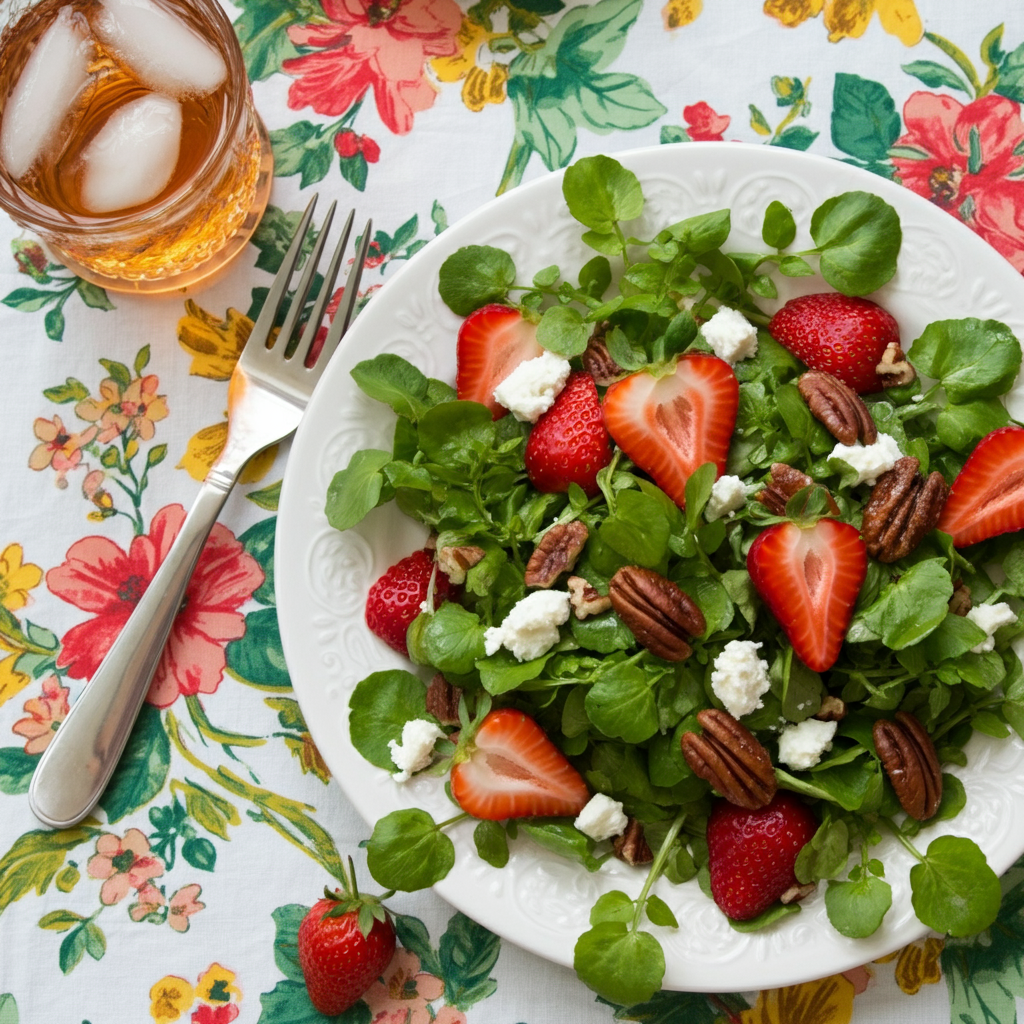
point(657, 866)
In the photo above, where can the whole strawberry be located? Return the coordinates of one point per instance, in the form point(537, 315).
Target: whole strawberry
point(569, 444)
point(395, 599)
point(345, 943)
point(839, 334)
point(751, 854)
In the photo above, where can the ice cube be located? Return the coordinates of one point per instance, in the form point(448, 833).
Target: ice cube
point(54, 74)
point(132, 157)
point(164, 53)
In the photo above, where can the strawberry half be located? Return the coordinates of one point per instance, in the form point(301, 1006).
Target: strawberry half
point(394, 600)
point(810, 576)
point(839, 334)
point(493, 340)
point(569, 443)
point(751, 854)
point(671, 425)
point(987, 497)
point(510, 769)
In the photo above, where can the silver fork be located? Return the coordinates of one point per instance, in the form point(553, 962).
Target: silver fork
point(267, 395)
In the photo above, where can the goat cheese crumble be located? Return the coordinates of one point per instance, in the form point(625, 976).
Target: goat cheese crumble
point(801, 745)
point(871, 460)
point(731, 335)
point(416, 747)
point(602, 818)
point(990, 617)
point(740, 677)
point(532, 387)
point(531, 627)
point(728, 493)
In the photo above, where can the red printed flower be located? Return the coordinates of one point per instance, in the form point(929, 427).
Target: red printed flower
point(101, 578)
point(963, 156)
point(348, 145)
point(703, 124)
point(380, 44)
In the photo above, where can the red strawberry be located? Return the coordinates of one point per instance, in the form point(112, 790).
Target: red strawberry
point(671, 425)
point(570, 444)
point(339, 956)
point(510, 769)
point(395, 599)
point(751, 854)
point(987, 497)
point(810, 576)
point(841, 335)
point(493, 341)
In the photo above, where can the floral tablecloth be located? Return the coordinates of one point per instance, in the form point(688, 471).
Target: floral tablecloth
point(179, 899)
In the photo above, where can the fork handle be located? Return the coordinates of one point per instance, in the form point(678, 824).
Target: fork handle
point(77, 765)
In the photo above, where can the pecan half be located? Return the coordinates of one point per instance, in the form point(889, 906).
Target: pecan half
point(661, 616)
point(732, 759)
point(838, 407)
point(598, 361)
point(783, 482)
point(894, 368)
point(903, 507)
point(585, 598)
point(454, 561)
point(960, 602)
point(443, 700)
point(556, 553)
point(833, 709)
point(909, 759)
point(632, 846)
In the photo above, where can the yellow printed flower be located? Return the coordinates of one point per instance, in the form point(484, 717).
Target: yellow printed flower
point(850, 18)
point(917, 965)
point(17, 578)
point(828, 1001)
point(170, 997)
point(217, 985)
point(215, 344)
point(480, 85)
point(205, 445)
point(12, 682)
point(677, 13)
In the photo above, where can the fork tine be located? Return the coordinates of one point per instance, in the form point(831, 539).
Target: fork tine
point(291, 319)
point(326, 291)
point(264, 325)
point(343, 317)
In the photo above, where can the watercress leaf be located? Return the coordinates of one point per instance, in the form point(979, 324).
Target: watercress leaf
point(622, 704)
point(599, 192)
point(774, 913)
point(547, 277)
point(623, 351)
point(491, 843)
point(646, 277)
point(698, 492)
point(610, 244)
point(395, 381)
point(562, 837)
point(595, 276)
point(953, 889)
point(638, 530)
point(961, 427)
point(779, 228)
point(702, 232)
point(954, 636)
point(858, 236)
point(379, 707)
point(603, 633)
point(954, 798)
point(826, 854)
point(613, 906)
point(355, 490)
point(971, 358)
point(855, 909)
point(795, 266)
point(456, 434)
point(561, 330)
point(450, 639)
point(620, 965)
point(910, 607)
point(502, 672)
point(473, 276)
point(659, 913)
point(408, 851)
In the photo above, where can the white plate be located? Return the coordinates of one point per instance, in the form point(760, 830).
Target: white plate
point(540, 901)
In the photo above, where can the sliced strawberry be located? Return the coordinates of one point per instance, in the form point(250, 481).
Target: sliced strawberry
point(841, 335)
point(512, 770)
point(394, 600)
point(569, 444)
point(752, 854)
point(987, 497)
point(493, 341)
point(671, 425)
point(810, 576)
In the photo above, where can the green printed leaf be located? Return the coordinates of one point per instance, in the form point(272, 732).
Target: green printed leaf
point(267, 497)
point(71, 391)
point(468, 953)
point(60, 920)
point(142, 770)
point(865, 122)
point(258, 658)
point(286, 939)
point(53, 323)
point(28, 300)
point(210, 810)
point(92, 295)
point(304, 149)
point(936, 76)
point(16, 768)
point(200, 853)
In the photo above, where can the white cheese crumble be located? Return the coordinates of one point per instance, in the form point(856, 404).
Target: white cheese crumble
point(602, 818)
point(531, 627)
point(531, 388)
point(739, 677)
point(990, 617)
point(731, 335)
point(870, 461)
point(416, 748)
point(728, 493)
point(801, 746)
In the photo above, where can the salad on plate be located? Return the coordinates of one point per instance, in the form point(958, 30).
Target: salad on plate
point(719, 593)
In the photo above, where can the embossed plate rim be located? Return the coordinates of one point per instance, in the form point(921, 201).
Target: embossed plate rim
point(539, 901)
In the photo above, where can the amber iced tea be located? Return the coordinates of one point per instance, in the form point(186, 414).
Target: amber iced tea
point(128, 139)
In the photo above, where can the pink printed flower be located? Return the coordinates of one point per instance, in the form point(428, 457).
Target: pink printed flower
point(403, 994)
point(46, 713)
point(368, 44)
point(59, 449)
point(125, 864)
point(101, 578)
point(703, 124)
point(963, 158)
point(135, 409)
point(149, 900)
point(182, 905)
